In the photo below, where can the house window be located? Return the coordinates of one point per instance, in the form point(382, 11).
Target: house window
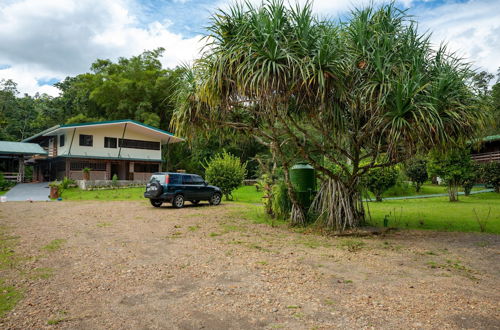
point(86, 140)
point(109, 142)
point(139, 144)
point(145, 168)
point(61, 140)
point(80, 165)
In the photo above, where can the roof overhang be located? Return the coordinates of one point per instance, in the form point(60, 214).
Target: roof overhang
point(164, 136)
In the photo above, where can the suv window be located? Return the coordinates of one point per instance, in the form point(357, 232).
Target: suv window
point(174, 179)
point(158, 177)
point(187, 179)
point(197, 179)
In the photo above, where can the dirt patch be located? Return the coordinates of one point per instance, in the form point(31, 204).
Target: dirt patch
point(127, 265)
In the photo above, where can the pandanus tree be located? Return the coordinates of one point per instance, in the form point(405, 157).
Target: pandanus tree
point(346, 97)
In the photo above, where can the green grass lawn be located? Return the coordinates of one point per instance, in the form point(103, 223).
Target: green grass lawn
point(435, 213)
point(104, 195)
point(2, 192)
point(438, 213)
point(426, 189)
point(247, 194)
point(428, 213)
point(244, 194)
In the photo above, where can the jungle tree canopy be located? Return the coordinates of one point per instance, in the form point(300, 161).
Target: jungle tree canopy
point(346, 97)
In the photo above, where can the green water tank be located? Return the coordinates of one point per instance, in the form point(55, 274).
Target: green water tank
point(303, 178)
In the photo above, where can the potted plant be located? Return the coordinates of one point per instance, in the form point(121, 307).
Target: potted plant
point(55, 189)
point(86, 173)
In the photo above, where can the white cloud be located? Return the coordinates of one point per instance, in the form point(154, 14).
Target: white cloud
point(27, 77)
point(471, 29)
point(43, 40)
point(55, 38)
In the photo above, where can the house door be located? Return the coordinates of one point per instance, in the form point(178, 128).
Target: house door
point(115, 169)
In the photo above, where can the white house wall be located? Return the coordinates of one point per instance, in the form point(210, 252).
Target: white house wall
point(98, 149)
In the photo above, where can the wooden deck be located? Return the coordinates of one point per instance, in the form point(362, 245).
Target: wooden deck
point(487, 157)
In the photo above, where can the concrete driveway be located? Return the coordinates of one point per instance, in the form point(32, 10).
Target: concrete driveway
point(29, 191)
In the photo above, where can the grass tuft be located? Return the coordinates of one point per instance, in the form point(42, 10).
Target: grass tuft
point(352, 245)
point(54, 245)
point(9, 296)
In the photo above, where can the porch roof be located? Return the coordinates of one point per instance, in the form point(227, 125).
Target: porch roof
point(20, 148)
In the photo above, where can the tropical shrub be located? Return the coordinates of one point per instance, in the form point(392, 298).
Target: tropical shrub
point(5, 184)
point(491, 175)
point(416, 171)
point(454, 167)
point(281, 204)
point(380, 179)
point(66, 183)
point(265, 185)
point(226, 172)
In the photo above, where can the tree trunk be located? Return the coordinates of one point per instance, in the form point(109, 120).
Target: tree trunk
point(467, 189)
point(417, 187)
point(453, 192)
point(338, 205)
point(378, 197)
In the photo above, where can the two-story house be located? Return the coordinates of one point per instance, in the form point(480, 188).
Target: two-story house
point(127, 148)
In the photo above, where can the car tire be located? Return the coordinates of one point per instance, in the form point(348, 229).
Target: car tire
point(155, 202)
point(195, 202)
point(178, 201)
point(215, 199)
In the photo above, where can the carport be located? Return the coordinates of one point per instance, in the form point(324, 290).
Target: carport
point(13, 156)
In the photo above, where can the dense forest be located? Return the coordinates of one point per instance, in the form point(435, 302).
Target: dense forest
point(137, 88)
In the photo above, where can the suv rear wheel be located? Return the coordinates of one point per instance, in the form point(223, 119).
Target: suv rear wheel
point(215, 199)
point(155, 203)
point(178, 201)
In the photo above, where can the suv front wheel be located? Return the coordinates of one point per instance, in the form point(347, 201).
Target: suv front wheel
point(215, 199)
point(178, 201)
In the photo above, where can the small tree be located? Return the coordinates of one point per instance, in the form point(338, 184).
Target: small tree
point(226, 172)
point(416, 171)
point(453, 167)
point(491, 175)
point(471, 178)
point(114, 180)
point(86, 173)
point(379, 179)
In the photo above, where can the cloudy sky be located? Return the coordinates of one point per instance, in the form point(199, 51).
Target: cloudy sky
point(43, 41)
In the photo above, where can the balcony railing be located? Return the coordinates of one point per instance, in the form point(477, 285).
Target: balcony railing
point(11, 176)
point(487, 157)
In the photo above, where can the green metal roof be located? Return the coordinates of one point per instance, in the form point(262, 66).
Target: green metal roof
point(116, 122)
point(21, 148)
point(53, 128)
point(491, 138)
point(49, 130)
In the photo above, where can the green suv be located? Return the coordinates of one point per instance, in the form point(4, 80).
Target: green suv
point(176, 188)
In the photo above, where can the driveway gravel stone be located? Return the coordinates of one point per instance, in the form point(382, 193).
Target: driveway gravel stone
point(127, 265)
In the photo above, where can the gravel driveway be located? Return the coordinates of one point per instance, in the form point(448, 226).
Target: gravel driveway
point(127, 265)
